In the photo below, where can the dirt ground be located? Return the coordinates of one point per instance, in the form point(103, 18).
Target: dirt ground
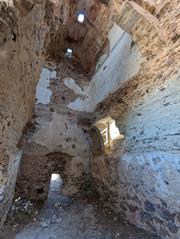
point(64, 218)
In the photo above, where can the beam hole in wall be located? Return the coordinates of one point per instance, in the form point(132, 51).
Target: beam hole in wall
point(109, 131)
point(55, 184)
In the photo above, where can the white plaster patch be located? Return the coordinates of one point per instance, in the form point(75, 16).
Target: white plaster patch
point(71, 84)
point(115, 34)
point(78, 104)
point(123, 62)
point(43, 93)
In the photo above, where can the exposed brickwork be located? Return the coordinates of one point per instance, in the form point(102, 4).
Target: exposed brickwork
point(55, 143)
point(139, 176)
point(20, 51)
point(141, 172)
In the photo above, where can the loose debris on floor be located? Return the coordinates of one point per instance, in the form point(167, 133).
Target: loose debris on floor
point(64, 218)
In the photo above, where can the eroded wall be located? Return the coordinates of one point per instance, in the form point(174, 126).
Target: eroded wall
point(139, 175)
point(54, 143)
point(141, 172)
point(25, 28)
point(21, 43)
point(122, 62)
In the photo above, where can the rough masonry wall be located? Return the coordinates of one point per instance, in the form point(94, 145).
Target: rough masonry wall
point(139, 176)
point(54, 143)
point(142, 171)
point(88, 40)
point(25, 28)
point(122, 62)
point(21, 42)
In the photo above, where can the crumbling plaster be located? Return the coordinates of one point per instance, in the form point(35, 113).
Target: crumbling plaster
point(23, 33)
point(139, 175)
point(22, 40)
point(137, 85)
point(122, 63)
point(55, 132)
point(43, 93)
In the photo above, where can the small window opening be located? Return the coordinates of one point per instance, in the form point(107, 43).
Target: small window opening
point(56, 184)
point(69, 53)
point(114, 131)
point(109, 131)
point(81, 18)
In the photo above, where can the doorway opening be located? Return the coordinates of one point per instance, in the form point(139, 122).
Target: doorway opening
point(55, 184)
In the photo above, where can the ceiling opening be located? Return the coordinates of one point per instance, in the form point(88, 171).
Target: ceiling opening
point(81, 18)
point(69, 53)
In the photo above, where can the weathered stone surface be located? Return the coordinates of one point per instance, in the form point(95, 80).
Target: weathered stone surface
point(141, 172)
point(88, 40)
point(20, 61)
point(54, 144)
point(136, 82)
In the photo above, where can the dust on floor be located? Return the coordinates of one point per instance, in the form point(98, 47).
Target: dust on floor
point(64, 218)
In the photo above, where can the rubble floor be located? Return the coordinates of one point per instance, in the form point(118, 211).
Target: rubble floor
point(64, 218)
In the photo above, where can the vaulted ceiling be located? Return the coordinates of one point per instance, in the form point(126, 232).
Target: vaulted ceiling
point(89, 39)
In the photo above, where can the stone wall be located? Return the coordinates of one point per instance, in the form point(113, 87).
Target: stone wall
point(21, 42)
point(88, 40)
point(55, 142)
point(139, 176)
point(122, 62)
point(25, 28)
